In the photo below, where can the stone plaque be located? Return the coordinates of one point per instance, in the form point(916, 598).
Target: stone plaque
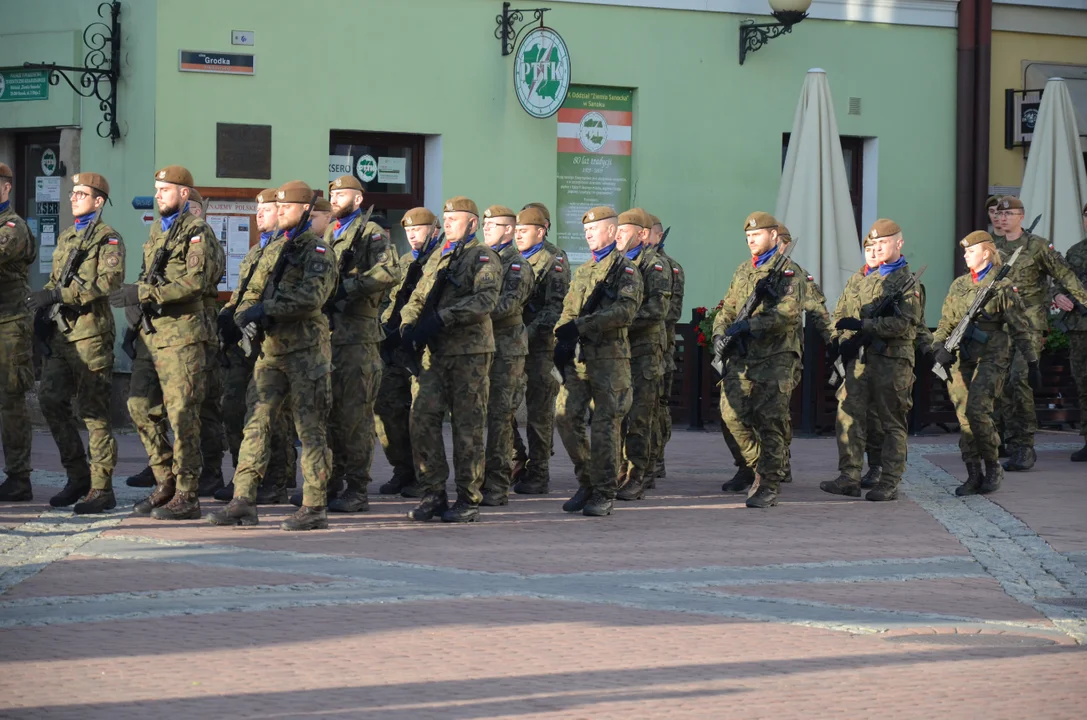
point(243, 151)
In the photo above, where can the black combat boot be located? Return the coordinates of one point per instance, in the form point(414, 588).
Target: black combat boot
point(994, 475)
point(16, 489)
point(307, 518)
point(433, 504)
point(332, 492)
point(144, 478)
point(97, 501)
point(762, 494)
point(73, 490)
point(598, 506)
point(578, 501)
point(871, 478)
point(160, 495)
point(271, 495)
point(882, 492)
point(414, 490)
point(225, 493)
point(1022, 459)
point(841, 485)
point(211, 481)
point(182, 506)
point(973, 480)
point(396, 484)
point(462, 511)
point(494, 498)
point(1081, 454)
point(741, 481)
point(634, 489)
point(238, 511)
point(351, 501)
point(529, 486)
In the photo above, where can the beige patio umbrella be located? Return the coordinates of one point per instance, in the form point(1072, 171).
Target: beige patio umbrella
point(1055, 182)
point(813, 199)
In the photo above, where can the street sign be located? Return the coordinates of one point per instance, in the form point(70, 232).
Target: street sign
point(143, 202)
point(216, 62)
point(18, 85)
point(148, 218)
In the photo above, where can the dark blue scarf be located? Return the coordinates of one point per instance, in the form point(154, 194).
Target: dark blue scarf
point(886, 269)
point(83, 221)
point(599, 255)
point(760, 260)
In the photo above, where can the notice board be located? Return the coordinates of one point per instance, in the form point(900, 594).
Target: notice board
point(232, 215)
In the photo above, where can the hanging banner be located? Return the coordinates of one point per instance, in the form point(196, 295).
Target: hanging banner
point(594, 160)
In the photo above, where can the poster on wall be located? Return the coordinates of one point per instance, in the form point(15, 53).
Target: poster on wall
point(594, 160)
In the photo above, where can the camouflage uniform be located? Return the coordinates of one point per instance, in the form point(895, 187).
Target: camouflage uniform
point(507, 376)
point(17, 252)
point(211, 409)
point(600, 377)
point(1077, 334)
point(552, 272)
point(664, 412)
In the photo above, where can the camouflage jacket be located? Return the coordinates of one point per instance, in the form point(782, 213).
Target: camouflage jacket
point(1002, 313)
point(1077, 261)
point(551, 269)
point(604, 332)
point(466, 301)
point(184, 280)
point(815, 306)
point(17, 252)
point(294, 304)
point(863, 292)
point(518, 282)
point(101, 271)
point(216, 269)
point(247, 266)
point(774, 323)
point(405, 263)
point(1031, 273)
point(675, 305)
point(647, 331)
point(374, 269)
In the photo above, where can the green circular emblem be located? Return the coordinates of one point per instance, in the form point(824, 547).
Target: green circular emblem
point(366, 168)
point(541, 72)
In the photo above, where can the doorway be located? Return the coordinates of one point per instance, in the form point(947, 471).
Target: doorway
point(39, 179)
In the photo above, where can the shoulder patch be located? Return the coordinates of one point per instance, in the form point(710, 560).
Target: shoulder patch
point(195, 259)
point(1015, 289)
point(516, 267)
point(1051, 246)
point(789, 273)
point(112, 241)
point(811, 279)
point(319, 249)
point(9, 223)
point(658, 268)
point(112, 260)
point(484, 258)
point(558, 268)
point(195, 239)
point(675, 271)
point(628, 270)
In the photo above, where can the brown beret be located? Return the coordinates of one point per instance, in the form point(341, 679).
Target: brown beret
point(1010, 202)
point(345, 182)
point(175, 174)
point(417, 216)
point(5, 171)
point(636, 216)
point(195, 196)
point(91, 180)
point(993, 200)
point(760, 221)
point(460, 203)
point(656, 220)
point(975, 238)
point(499, 211)
point(532, 215)
point(600, 212)
point(784, 234)
point(267, 195)
point(541, 207)
point(883, 228)
point(322, 205)
point(294, 191)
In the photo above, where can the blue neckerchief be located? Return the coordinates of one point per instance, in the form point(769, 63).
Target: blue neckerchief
point(4, 206)
point(426, 248)
point(886, 269)
point(633, 253)
point(266, 237)
point(341, 225)
point(980, 274)
point(83, 221)
point(168, 221)
point(760, 260)
point(500, 248)
point(293, 232)
point(449, 246)
point(532, 250)
point(599, 255)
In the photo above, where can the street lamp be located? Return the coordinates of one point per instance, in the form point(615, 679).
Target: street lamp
point(786, 12)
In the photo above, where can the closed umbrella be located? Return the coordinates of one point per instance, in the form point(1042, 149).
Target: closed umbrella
point(813, 199)
point(1055, 182)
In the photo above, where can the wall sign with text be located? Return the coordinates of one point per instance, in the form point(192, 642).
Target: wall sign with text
point(541, 72)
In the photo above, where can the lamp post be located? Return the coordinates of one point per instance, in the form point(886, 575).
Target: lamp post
point(787, 13)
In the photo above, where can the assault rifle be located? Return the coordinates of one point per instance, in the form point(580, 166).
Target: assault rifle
point(347, 259)
point(764, 289)
point(391, 352)
point(152, 275)
point(413, 361)
point(244, 341)
point(54, 316)
point(965, 330)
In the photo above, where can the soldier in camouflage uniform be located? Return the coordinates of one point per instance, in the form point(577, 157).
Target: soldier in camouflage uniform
point(657, 468)
point(321, 216)
point(646, 337)
point(18, 252)
point(293, 280)
point(532, 464)
point(367, 268)
point(88, 263)
point(455, 328)
point(593, 354)
point(393, 406)
point(1077, 337)
point(507, 377)
point(1036, 266)
point(991, 211)
point(883, 375)
point(983, 359)
point(757, 385)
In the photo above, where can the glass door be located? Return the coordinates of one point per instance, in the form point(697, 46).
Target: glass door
point(39, 179)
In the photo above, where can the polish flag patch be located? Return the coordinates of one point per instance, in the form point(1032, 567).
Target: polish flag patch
point(195, 239)
point(484, 259)
point(112, 241)
point(628, 270)
point(789, 273)
point(675, 271)
point(811, 279)
point(9, 223)
point(319, 249)
point(658, 268)
point(558, 268)
point(516, 267)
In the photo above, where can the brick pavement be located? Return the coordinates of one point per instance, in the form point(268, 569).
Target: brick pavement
point(686, 605)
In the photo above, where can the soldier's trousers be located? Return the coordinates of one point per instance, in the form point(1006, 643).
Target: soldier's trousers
point(211, 410)
point(973, 389)
point(461, 385)
point(663, 427)
point(1020, 418)
point(874, 449)
point(356, 377)
point(83, 370)
point(605, 387)
point(1078, 354)
point(755, 405)
point(16, 379)
point(302, 379)
point(540, 394)
point(236, 379)
point(507, 390)
point(646, 374)
point(171, 378)
point(887, 385)
point(393, 411)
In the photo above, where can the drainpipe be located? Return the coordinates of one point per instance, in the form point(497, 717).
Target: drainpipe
point(973, 96)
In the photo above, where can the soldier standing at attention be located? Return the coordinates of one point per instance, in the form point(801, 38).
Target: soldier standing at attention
point(294, 278)
point(1037, 264)
point(1077, 337)
point(532, 465)
point(74, 314)
point(168, 367)
point(449, 315)
point(991, 211)
point(756, 387)
point(592, 352)
point(982, 365)
point(675, 310)
point(321, 217)
point(883, 377)
point(393, 406)
point(367, 268)
point(507, 376)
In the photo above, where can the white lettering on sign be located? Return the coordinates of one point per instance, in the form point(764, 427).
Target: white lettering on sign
point(232, 207)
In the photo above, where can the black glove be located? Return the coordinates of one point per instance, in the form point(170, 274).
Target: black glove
point(132, 315)
point(942, 356)
point(832, 351)
point(740, 327)
point(340, 294)
point(567, 334)
point(849, 349)
point(564, 355)
point(229, 331)
point(1034, 375)
point(125, 296)
point(252, 314)
point(407, 338)
point(42, 298)
point(850, 323)
point(430, 326)
point(928, 356)
point(718, 345)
